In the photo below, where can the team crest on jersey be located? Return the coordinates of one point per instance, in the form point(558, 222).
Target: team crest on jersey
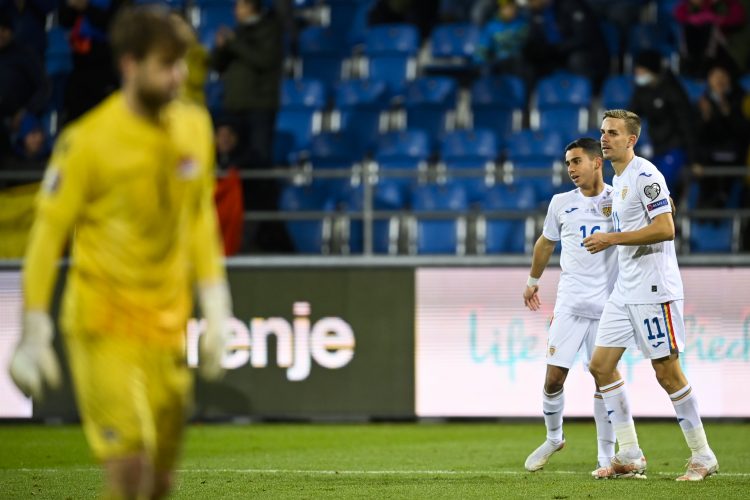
point(552, 350)
point(187, 168)
point(605, 206)
point(624, 192)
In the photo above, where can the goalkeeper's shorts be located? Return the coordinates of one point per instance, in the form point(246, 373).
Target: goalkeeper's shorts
point(133, 396)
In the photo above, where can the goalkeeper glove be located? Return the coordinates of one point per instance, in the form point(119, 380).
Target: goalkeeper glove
point(216, 305)
point(34, 363)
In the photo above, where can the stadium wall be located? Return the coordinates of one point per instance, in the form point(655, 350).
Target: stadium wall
point(316, 341)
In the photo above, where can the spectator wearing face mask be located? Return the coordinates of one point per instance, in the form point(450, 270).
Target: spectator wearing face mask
point(660, 100)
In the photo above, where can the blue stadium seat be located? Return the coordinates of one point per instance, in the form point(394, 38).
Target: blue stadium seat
point(427, 100)
point(530, 144)
point(745, 82)
point(299, 115)
point(306, 235)
point(403, 150)
point(617, 92)
point(391, 50)
point(322, 54)
point(536, 150)
point(612, 38)
point(644, 147)
point(333, 151)
point(438, 236)
point(452, 47)
point(642, 37)
point(497, 104)
point(177, 5)
point(345, 17)
point(563, 100)
point(693, 88)
point(734, 198)
point(404, 143)
point(454, 41)
point(386, 196)
point(212, 16)
point(507, 235)
point(359, 104)
point(711, 236)
point(462, 149)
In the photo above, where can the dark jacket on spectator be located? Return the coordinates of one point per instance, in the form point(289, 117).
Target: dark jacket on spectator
point(251, 64)
point(23, 84)
point(667, 109)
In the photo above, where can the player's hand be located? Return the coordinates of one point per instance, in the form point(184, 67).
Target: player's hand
point(216, 305)
point(34, 363)
point(531, 297)
point(597, 242)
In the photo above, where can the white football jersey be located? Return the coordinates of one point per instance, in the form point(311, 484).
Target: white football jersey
point(648, 273)
point(586, 280)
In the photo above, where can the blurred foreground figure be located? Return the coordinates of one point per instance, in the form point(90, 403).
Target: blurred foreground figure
point(133, 180)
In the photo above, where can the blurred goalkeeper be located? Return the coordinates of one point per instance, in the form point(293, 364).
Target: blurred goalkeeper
point(132, 181)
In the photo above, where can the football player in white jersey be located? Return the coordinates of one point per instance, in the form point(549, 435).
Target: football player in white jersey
point(585, 283)
point(646, 303)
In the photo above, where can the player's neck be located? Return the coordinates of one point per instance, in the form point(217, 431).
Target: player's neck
point(621, 165)
point(137, 107)
point(594, 190)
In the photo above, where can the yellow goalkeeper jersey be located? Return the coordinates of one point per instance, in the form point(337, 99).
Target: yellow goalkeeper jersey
point(138, 198)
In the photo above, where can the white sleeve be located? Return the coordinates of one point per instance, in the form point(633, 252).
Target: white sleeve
point(653, 193)
point(551, 229)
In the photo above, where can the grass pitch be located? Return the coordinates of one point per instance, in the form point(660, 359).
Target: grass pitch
point(426, 460)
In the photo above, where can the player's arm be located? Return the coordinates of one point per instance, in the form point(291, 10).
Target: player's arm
point(60, 199)
point(543, 249)
point(210, 276)
point(660, 229)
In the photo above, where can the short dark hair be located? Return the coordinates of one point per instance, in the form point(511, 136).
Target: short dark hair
point(141, 30)
point(592, 147)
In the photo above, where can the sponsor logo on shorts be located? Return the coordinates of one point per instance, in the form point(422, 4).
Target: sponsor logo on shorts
point(657, 204)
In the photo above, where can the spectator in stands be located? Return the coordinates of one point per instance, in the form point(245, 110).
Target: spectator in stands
point(724, 134)
point(29, 22)
point(228, 151)
point(660, 100)
point(478, 12)
point(30, 149)
point(563, 34)
point(421, 13)
point(502, 39)
point(23, 85)
point(705, 25)
point(250, 59)
point(93, 76)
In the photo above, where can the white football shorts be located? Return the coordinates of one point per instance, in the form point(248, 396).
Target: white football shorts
point(658, 329)
point(568, 333)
